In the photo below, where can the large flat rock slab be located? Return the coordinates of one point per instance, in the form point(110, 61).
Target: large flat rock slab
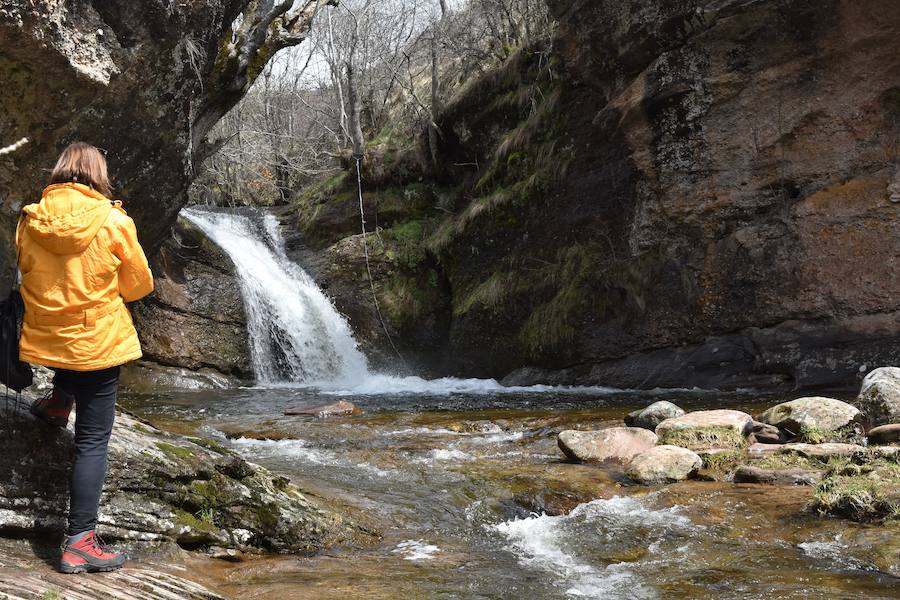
point(125, 584)
point(615, 444)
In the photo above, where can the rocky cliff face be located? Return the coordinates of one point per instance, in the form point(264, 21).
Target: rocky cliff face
point(679, 193)
point(144, 81)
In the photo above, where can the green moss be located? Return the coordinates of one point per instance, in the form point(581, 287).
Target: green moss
point(701, 438)
point(862, 488)
point(52, 595)
point(410, 248)
point(204, 522)
point(789, 460)
point(211, 444)
point(268, 516)
point(724, 462)
point(175, 452)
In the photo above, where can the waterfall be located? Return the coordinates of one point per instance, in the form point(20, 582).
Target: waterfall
point(296, 334)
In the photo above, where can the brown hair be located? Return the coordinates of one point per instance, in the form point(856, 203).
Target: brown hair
point(82, 163)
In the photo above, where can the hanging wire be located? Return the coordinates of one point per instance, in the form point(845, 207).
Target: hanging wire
point(362, 218)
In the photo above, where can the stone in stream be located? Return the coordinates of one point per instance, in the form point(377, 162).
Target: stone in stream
point(815, 418)
point(663, 464)
point(764, 433)
point(615, 444)
point(879, 397)
point(751, 474)
point(160, 488)
point(705, 429)
point(653, 415)
point(884, 434)
point(335, 409)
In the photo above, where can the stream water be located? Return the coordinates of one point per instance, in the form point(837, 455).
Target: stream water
point(473, 501)
point(463, 480)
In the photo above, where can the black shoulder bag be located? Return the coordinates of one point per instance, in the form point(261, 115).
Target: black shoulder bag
point(14, 374)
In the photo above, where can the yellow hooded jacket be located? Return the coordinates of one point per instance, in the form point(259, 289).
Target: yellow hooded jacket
point(80, 261)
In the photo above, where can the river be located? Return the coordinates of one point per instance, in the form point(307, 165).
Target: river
point(473, 500)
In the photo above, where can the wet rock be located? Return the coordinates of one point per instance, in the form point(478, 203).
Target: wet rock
point(818, 418)
point(653, 415)
point(877, 546)
point(884, 434)
point(616, 444)
point(663, 464)
point(764, 433)
point(335, 409)
point(160, 488)
point(752, 474)
point(706, 429)
point(879, 397)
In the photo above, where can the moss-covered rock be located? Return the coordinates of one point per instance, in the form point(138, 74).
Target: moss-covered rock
point(864, 487)
point(161, 488)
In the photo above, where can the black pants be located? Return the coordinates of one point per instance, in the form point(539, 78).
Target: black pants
point(95, 411)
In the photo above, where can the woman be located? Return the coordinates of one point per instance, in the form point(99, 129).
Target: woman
point(80, 262)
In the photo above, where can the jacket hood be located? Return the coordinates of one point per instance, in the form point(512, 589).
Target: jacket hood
point(67, 218)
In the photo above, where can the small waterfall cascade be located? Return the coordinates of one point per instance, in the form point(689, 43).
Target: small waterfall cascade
point(296, 334)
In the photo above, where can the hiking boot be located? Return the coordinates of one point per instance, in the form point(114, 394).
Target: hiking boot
point(88, 554)
point(54, 407)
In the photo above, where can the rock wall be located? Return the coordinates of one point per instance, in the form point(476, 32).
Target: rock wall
point(681, 193)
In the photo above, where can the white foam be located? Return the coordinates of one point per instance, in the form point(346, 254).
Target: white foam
point(540, 542)
point(379, 384)
point(416, 550)
point(300, 450)
point(443, 454)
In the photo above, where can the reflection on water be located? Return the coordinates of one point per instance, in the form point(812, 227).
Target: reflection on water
point(473, 501)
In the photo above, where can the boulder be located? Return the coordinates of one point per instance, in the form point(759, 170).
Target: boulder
point(335, 409)
point(706, 429)
point(751, 474)
point(615, 444)
point(159, 488)
point(879, 397)
point(653, 415)
point(811, 416)
point(884, 434)
point(662, 464)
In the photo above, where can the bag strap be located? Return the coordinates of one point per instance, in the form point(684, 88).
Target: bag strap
point(17, 279)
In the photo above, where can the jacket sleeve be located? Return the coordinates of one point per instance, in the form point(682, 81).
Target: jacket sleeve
point(135, 278)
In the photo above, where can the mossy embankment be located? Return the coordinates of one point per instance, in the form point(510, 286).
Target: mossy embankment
point(482, 261)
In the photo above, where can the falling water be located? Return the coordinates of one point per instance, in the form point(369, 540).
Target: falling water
point(296, 335)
